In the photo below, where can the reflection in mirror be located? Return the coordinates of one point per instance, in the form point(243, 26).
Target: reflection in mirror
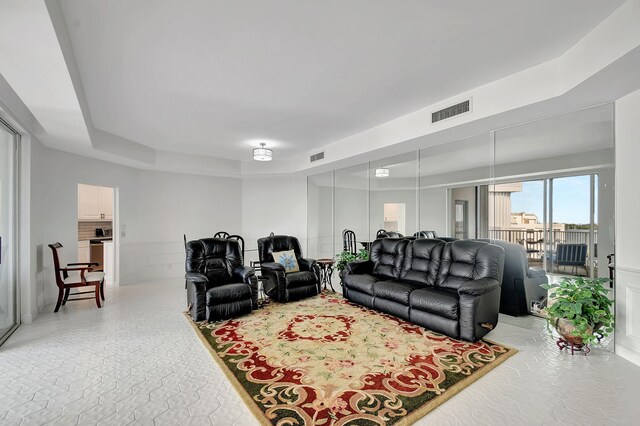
point(320, 216)
point(393, 190)
point(452, 177)
point(559, 199)
point(351, 200)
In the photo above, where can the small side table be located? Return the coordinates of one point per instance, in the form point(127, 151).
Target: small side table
point(326, 271)
point(262, 296)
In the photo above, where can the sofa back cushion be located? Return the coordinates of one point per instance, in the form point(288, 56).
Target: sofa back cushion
point(467, 260)
point(214, 257)
point(277, 243)
point(387, 255)
point(422, 261)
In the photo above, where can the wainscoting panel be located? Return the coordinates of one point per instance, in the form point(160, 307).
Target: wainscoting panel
point(628, 313)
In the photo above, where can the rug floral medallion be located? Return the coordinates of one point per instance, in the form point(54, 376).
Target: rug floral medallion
point(326, 361)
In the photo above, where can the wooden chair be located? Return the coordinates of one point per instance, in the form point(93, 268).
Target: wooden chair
point(85, 278)
point(349, 241)
point(221, 234)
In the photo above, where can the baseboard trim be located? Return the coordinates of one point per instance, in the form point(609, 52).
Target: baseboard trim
point(628, 354)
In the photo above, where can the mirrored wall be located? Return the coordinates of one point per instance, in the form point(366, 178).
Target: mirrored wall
point(542, 184)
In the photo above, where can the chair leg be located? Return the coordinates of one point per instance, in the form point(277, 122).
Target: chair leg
point(66, 296)
point(60, 296)
point(102, 290)
point(98, 295)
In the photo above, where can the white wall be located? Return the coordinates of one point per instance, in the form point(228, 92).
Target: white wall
point(627, 229)
point(273, 204)
point(156, 208)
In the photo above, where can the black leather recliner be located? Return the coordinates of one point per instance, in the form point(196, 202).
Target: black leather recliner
point(282, 286)
point(222, 287)
point(451, 288)
point(520, 282)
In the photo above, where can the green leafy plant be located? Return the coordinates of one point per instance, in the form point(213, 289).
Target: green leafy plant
point(585, 303)
point(345, 257)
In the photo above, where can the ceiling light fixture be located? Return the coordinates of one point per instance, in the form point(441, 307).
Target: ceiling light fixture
point(262, 153)
point(382, 172)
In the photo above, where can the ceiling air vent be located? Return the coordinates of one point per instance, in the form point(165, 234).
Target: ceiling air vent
point(316, 157)
point(451, 111)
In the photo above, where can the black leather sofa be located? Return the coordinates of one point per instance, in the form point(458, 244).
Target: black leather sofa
point(448, 287)
point(280, 285)
point(221, 286)
point(520, 282)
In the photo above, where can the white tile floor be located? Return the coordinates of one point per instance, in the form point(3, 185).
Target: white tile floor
point(137, 361)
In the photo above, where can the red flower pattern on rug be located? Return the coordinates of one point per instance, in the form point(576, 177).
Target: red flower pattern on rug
point(326, 361)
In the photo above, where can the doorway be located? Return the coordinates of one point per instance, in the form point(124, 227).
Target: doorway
point(97, 240)
point(9, 292)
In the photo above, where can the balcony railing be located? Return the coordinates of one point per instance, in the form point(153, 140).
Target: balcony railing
point(533, 240)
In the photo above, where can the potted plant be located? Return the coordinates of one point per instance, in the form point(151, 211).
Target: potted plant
point(580, 310)
point(345, 257)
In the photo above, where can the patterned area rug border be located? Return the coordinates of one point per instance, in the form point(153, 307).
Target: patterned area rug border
point(411, 418)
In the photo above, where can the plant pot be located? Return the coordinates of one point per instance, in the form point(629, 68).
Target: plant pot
point(566, 329)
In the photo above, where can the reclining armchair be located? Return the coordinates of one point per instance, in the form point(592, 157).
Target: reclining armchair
point(520, 282)
point(222, 287)
point(283, 286)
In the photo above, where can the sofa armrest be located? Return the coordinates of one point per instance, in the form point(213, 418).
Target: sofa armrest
point(307, 264)
point(199, 282)
point(276, 284)
point(536, 272)
point(243, 273)
point(478, 287)
point(196, 277)
point(359, 267)
point(271, 266)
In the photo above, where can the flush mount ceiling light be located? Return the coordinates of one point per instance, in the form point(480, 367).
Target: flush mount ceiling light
point(262, 153)
point(382, 172)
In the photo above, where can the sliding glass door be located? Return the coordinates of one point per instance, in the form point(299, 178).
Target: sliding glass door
point(9, 315)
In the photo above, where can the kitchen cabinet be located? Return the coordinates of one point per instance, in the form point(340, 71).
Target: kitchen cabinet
point(84, 253)
point(95, 202)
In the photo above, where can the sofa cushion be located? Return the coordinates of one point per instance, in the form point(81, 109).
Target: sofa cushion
point(300, 279)
point(435, 301)
point(422, 260)
point(387, 255)
point(228, 293)
point(467, 260)
point(362, 283)
point(398, 291)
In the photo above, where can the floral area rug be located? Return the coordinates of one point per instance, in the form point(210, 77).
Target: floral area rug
point(326, 361)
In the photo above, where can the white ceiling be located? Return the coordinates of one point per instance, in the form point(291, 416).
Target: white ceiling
point(206, 77)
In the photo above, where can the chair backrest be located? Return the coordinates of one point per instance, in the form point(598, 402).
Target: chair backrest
point(380, 232)
point(221, 234)
point(349, 241)
point(571, 254)
point(214, 257)
point(56, 264)
point(516, 262)
point(240, 241)
point(425, 234)
point(467, 260)
point(277, 243)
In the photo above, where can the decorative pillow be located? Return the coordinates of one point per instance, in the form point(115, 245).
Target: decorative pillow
point(286, 259)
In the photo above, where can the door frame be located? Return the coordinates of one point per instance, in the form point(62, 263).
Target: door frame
point(15, 236)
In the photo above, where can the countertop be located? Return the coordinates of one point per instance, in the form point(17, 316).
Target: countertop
point(96, 238)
